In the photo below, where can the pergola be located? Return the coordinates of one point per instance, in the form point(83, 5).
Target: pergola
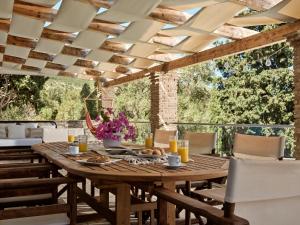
point(119, 41)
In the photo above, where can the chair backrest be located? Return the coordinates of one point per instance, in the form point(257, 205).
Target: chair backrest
point(161, 137)
point(201, 143)
point(261, 146)
point(265, 192)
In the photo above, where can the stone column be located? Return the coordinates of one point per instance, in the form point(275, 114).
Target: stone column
point(163, 90)
point(295, 43)
point(107, 97)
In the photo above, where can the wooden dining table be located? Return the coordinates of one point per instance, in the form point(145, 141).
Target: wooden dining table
point(123, 175)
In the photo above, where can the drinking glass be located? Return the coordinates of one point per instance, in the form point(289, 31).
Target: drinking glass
point(149, 140)
point(173, 144)
point(183, 150)
point(71, 137)
point(82, 139)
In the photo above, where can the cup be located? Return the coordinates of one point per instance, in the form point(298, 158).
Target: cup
point(74, 149)
point(82, 139)
point(174, 160)
point(149, 140)
point(173, 144)
point(183, 150)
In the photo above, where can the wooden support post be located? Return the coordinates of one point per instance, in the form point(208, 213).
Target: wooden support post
point(295, 43)
point(166, 210)
point(163, 100)
point(107, 97)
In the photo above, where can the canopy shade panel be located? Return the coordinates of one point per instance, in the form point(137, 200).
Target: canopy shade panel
point(123, 40)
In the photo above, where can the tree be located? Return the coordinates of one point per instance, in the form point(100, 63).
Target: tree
point(7, 95)
point(91, 103)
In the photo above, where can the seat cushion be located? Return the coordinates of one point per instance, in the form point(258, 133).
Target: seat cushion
point(55, 219)
point(19, 142)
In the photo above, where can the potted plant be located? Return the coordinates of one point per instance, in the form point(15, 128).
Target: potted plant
point(113, 127)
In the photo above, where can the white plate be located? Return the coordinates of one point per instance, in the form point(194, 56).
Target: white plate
point(69, 153)
point(85, 162)
point(173, 167)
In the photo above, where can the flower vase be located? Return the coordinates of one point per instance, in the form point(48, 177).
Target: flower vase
point(111, 143)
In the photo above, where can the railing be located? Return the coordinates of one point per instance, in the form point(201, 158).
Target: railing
point(226, 132)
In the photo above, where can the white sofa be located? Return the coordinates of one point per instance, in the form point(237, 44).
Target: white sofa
point(25, 134)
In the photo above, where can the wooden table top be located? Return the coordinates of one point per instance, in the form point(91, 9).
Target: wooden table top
point(202, 167)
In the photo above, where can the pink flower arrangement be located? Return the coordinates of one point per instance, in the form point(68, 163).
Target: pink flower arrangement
point(113, 125)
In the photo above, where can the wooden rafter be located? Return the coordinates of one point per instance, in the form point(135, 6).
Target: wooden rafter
point(258, 5)
point(256, 41)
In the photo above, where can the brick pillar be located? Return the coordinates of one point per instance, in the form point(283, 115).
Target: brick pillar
point(163, 100)
point(107, 97)
point(295, 43)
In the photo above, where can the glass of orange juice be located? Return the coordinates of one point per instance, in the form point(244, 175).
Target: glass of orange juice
point(82, 139)
point(149, 140)
point(173, 144)
point(183, 150)
point(71, 137)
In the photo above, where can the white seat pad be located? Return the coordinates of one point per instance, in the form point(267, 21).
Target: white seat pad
point(20, 142)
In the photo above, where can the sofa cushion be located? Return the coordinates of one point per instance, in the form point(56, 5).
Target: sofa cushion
point(55, 135)
point(28, 126)
point(3, 132)
point(20, 142)
point(35, 132)
point(16, 131)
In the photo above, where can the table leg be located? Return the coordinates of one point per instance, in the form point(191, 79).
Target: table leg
point(123, 205)
point(166, 209)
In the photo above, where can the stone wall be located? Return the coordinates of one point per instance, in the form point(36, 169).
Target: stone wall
point(163, 100)
point(107, 97)
point(295, 43)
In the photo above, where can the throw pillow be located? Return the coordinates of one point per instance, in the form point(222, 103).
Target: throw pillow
point(28, 126)
point(3, 132)
point(16, 131)
point(35, 132)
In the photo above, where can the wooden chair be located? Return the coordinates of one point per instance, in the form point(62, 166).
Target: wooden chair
point(34, 188)
point(161, 137)
point(251, 146)
point(245, 147)
point(201, 143)
point(264, 192)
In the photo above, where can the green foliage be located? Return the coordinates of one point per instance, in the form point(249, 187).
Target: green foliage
point(91, 102)
point(134, 99)
point(194, 92)
point(62, 99)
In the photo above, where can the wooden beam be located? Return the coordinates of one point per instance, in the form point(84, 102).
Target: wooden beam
point(20, 41)
point(66, 74)
point(256, 41)
point(55, 66)
point(31, 68)
point(78, 52)
point(93, 72)
point(35, 11)
point(4, 25)
point(108, 28)
point(58, 36)
point(84, 63)
point(13, 59)
point(40, 55)
point(234, 32)
point(2, 49)
point(120, 60)
point(258, 5)
point(114, 46)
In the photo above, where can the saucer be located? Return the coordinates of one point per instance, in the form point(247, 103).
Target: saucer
point(173, 167)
